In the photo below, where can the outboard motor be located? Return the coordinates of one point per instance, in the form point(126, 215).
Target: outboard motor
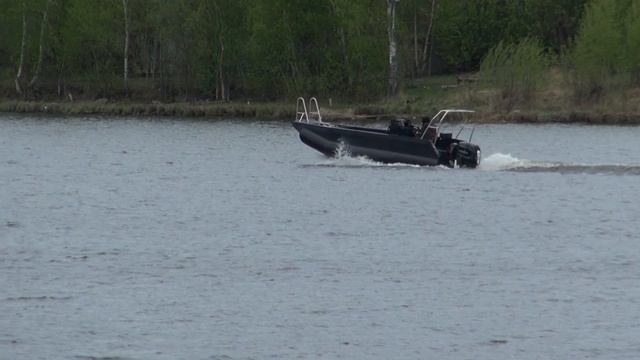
point(466, 154)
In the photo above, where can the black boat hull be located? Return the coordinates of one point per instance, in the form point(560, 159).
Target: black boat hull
point(375, 144)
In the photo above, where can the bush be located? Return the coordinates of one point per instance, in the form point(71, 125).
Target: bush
point(632, 31)
point(598, 52)
point(515, 69)
point(606, 55)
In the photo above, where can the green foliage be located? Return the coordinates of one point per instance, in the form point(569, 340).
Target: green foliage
point(598, 49)
point(203, 48)
point(11, 17)
point(217, 26)
point(554, 22)
point(361, 58)
point(632, 46)
point(92, 43)
point(464, 33)
point(607, 48)
point(10, 23)
point(466, 30)
point(322, 47)
point(516, 69)
point(275, 49)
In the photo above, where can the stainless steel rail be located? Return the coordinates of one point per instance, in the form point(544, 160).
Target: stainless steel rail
point(303, 115)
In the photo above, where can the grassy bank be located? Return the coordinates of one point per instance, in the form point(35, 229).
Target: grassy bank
point(132, 108)
point(285, 112)
point(552, 103)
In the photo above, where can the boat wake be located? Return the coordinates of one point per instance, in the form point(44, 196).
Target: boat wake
point(506, 162)
point(494, 162)
point(344, 158)
point(346, 161)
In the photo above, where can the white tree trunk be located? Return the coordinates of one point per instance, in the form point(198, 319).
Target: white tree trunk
point(223, 93)
point(43, 28)
point(23, 46)
point(425, 59)
point(126, 48)
point(416, 59)
point(343, 40)
point(393, 48)
point(60, 69)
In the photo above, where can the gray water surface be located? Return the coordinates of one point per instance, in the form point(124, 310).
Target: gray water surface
point(180, 239)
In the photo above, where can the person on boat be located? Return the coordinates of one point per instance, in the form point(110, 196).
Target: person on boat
point(408, 129)
point(431, 132)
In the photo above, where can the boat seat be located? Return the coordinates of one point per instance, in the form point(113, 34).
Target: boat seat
point(402, 127)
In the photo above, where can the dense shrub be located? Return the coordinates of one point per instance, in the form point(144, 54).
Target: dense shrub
point(598, 51)
point(516, 70)
point(632, 46)
point(606, 54)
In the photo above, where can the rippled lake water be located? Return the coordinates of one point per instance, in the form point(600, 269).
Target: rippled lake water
point(180, 239)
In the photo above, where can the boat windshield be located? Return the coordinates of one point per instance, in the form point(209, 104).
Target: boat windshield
point(447, 120)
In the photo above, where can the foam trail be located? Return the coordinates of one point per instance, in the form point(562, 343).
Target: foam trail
point(494, 162)
point(344, 158)
point(358, 161)
point(498, 161)
point(506, 162)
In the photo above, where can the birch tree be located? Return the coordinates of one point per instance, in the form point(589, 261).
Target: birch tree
point(221, 93)
point(23, 45)
point(427, 38)
point(43, 29)
point(126, 48)
point(393, 48)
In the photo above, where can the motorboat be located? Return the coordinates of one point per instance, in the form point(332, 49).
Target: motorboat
point(432, 143)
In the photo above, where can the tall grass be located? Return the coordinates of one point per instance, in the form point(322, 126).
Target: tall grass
point(598, 51)
point(516, 70)
point(606, 55)
point(632, 46)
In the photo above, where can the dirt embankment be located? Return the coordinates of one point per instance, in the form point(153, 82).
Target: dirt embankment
point(282, 111)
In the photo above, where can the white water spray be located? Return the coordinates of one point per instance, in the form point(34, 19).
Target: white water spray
point(498, 161)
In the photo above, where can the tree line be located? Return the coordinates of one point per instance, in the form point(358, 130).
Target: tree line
point(265, 49)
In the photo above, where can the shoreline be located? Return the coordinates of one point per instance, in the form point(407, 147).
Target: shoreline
point(286, 112)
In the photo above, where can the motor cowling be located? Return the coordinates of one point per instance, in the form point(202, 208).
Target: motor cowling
point(466, 154)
